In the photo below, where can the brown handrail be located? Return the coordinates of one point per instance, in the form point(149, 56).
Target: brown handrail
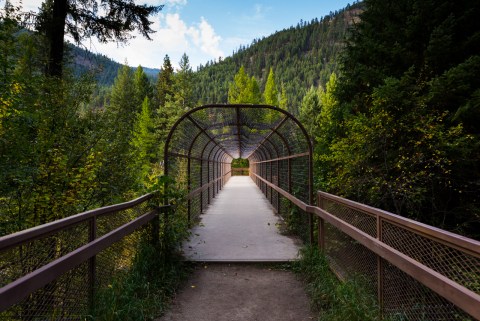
point(451, 239)
point(14, 292)
point(204, 186)
point(40, 231)
point(459, 295)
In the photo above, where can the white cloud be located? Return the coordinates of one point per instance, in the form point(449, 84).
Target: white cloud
point(173, 36)
point(209, 40)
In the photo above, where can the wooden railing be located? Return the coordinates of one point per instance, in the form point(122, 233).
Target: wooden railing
point(240, 171)
point(44, 267)
point(418, 272)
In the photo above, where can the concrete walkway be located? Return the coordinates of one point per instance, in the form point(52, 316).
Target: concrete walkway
point(240, 226)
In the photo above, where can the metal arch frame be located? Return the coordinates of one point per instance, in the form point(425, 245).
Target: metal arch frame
point(257, 151)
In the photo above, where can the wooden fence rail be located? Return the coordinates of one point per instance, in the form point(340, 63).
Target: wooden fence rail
point(442, 268)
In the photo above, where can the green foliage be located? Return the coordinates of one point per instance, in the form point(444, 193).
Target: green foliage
point(333, 299)
point(143, 292)
point(310, 111)
point(142, 86)
point(143, 143)
point(165, 81)
point(240, 163)
point(184, 84)
point(404, 133)
point(270, 94)
point(243, 89)
point(301, 56)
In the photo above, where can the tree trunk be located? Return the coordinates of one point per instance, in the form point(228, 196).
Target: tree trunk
point(56, 36)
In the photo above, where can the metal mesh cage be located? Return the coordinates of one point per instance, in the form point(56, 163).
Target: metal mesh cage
point(208, 138)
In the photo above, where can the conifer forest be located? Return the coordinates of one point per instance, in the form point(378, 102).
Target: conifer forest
point(389, 92)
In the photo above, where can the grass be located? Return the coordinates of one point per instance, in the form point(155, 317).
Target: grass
point(143, 292)
point(332, 299)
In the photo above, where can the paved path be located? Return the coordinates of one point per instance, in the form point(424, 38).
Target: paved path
point(240, 226)
point(240, 292)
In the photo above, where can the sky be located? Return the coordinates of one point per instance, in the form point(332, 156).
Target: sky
point(206, 29)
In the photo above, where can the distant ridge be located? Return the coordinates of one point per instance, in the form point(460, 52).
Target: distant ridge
point(106, 69)
point(301, 57)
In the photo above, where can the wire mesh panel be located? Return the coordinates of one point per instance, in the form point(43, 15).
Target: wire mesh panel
point(47, 273)
point(400, 295)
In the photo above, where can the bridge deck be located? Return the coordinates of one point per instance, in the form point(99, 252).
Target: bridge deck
point(240, 226)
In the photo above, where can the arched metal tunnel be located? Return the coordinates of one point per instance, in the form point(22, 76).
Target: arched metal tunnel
point(202, 144)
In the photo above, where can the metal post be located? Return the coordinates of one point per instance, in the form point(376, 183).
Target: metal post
point(321, 226)
point(189, 183)
point(92, 262)
point(380, 268)
point(201, 185)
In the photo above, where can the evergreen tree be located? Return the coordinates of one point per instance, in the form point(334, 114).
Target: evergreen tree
point(410, 111)
point(143, 142)
point(244, 90)
point(253, 94)
point(238, 88)
point(142, 86)
point(122, 102)
point(165, 83)
point(283, 98)
point(184, 83)
point(271, 93)
point(113, 20)
point(310, 111)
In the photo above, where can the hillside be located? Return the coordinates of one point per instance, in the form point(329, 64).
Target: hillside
point(301, 57)
point(105, 69)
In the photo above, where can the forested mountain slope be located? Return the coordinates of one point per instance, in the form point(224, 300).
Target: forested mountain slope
point(301, 57)
point(105, 69)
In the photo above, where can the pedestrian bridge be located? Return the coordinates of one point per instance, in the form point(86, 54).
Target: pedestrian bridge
point(417, 272)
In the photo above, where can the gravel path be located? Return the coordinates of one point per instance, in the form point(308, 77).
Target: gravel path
point(243, 292)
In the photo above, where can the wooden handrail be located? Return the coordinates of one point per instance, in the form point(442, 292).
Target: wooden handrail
point(15, 291)
point(454, 292)
point(41, 231)
point(451, 239)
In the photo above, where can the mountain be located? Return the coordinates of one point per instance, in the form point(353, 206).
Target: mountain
point(301, 57)
point(104, 68)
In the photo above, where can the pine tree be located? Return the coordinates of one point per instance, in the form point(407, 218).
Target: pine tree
point(310, 111)
point(143, 141)
point(283, 98)
point(121, 103)
point(244, 89)
point(142, 86)
point(270, 94)
point(165, 83)
point(184, 83)
point(237, 89)
point(253, 94)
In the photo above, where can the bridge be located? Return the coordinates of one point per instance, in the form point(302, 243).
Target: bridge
point(416, 271)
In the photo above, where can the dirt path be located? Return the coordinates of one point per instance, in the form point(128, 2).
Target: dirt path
point(246, 292)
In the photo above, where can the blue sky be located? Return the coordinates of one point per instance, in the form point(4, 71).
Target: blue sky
point(208, 29)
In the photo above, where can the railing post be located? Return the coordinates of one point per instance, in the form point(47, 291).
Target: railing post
point(380, 268)
point(92, 262)
point(156, 228)
point(321, 225)
point(189, 187)
point(201, 185)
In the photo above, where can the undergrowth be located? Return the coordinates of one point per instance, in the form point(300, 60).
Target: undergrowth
point(143, 292)
point(334, 300)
